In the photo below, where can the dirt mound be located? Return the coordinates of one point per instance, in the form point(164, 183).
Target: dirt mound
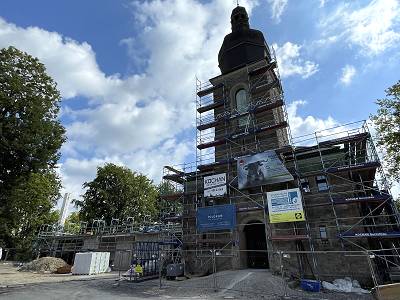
point(44, 264)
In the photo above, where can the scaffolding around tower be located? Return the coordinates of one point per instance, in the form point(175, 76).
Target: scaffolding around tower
point(346, 198)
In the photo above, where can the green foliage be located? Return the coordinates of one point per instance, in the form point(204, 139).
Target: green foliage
point(32, 201)
point(387, 122)
point(117, 192)
point(72, 223)
point(166, 188)
point(30, 139)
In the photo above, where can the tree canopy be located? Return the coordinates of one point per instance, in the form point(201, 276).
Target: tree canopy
point(117, 192)
point(30, 139)
point(387, 122)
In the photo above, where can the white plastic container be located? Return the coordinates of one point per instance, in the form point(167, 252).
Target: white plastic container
point(89, 263)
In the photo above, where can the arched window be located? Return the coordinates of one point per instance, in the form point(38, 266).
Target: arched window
point(241, 105)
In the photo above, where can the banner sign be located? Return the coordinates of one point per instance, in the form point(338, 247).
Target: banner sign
point(261, 169)
point(215, 185)
point(285, 206)
point(216, 217)
point(370, 234)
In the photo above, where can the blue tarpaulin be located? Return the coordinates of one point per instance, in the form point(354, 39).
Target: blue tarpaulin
point(216, 217)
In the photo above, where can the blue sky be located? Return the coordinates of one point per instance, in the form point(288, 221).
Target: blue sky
point(126, 69)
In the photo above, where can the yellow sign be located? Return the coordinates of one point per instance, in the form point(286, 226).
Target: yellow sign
point(287, 217)
point(285, 206)
point(138, 269)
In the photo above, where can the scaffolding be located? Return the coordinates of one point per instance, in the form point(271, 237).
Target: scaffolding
point(346, 197)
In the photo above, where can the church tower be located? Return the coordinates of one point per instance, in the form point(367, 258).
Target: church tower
point(255, 192)
point(241, 113)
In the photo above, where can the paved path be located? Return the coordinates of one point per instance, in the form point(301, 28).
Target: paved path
point(239, 284)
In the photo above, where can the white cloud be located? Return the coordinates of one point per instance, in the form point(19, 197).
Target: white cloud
point(373, 28)
point(301, 126)
point(134, 120)
point(277, 8)
point(290, 63)
point(348, 72)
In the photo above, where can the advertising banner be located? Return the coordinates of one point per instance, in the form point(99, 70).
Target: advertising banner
point(215, 185)
point(216, 217)
point(261, 169)
point(285, 206)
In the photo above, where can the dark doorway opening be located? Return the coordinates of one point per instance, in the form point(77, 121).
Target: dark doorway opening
point(256, 245)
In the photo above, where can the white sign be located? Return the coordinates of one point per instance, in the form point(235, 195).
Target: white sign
point(285, 206)
point(215, 185)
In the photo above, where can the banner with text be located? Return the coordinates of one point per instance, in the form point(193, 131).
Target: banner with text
point(285, 206)
point(216, 217)
point(215, 185)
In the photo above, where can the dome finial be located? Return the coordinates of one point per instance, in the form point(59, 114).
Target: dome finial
point(239, 19)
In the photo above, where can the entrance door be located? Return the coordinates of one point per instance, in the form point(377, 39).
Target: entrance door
point(256, 244)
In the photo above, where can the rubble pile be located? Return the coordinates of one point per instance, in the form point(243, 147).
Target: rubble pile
point(44, 265)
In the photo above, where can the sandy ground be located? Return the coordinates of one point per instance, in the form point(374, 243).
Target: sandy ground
point(10, 276)
point(239, 284)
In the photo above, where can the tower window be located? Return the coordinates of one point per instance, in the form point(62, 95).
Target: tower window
point(241, 105)
point(322, 183)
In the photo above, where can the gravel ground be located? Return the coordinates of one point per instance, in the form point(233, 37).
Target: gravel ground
point(10, 276)
point(238, 284)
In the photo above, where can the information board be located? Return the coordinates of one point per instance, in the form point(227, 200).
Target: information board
point(285, 206)
point(216, 217)
point(215, 185)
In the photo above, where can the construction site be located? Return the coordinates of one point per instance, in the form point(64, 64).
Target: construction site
point(310, 208)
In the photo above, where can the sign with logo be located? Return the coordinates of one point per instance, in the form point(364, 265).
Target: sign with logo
point(261, 169)
point(216, 217)
point(285, 206)
point(215, 185)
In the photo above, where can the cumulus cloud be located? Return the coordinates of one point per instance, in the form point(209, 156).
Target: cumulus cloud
point(348, 72)
point(290, 62)
point(146, 119)
point(373, 28)
point(300, 126)
point(277, 8)
point(143, 120)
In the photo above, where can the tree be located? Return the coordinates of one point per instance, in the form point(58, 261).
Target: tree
point(33, 199)
point(387, 122)
point(164, 189)
point(72, 223)
point(30, 138)
point(117, 192)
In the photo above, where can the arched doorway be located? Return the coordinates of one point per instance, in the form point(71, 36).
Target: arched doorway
point(256, 244)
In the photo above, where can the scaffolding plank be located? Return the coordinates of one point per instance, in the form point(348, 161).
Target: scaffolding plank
point(267, 86)
point(289, 237)
point(172, 169)
point(211, 144)
point(349, 200)
point(263, 69)
point(391, 234)
point(346, 139)
point(211, 106)
point(267, 106)
point(208, 125)
point(211, 166)
point(256, 110)
point(209, 90)
point(248, 207)
point(360, 166)
point(372, 198)
point(174, 177)
point(272, 127)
